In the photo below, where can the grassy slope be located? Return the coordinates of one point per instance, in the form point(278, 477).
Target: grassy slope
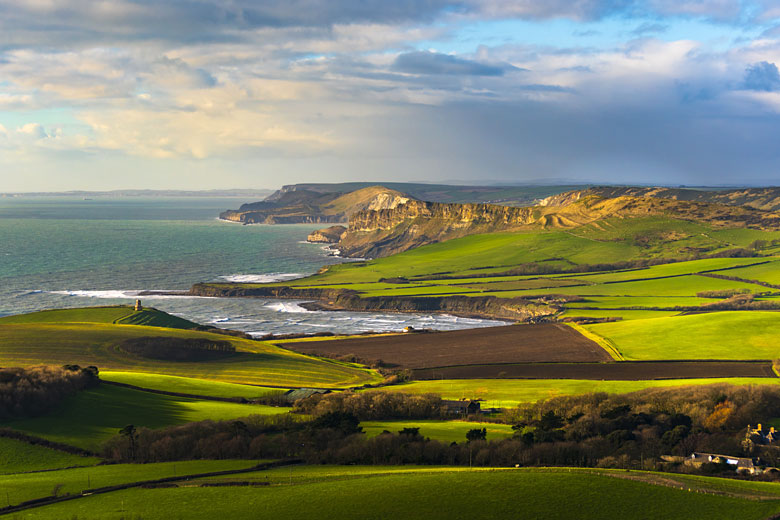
point(21, 487)
point(428, 493)
point(720, 335)
point(121, 314)
point(17, 456)
point(510, 392)
point(25, 344)
point(188, 385)
point(92, 416)
point(446, 431)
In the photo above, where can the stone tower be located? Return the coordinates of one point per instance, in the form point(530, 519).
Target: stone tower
point(138, 306)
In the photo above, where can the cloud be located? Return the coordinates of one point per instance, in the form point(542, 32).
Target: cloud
point(34, 130)
point(762, 76)
point(426, 62)
point(649, 28)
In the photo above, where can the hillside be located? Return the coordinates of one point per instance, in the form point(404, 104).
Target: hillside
point(305, 206)
point(504, 195)
point(766, 199)
point(374, 234)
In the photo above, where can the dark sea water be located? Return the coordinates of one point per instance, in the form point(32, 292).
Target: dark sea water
point(68, 252)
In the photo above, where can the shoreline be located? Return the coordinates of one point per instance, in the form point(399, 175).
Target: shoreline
point(474, 307)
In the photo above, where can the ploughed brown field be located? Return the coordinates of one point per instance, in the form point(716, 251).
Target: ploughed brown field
point(533, 343)
point(622, 371)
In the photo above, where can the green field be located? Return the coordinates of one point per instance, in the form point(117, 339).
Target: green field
point(115, 314)
point(425, 493)
point(92, 416)
point(26, 486)
point(503, 393)
point(25, 344)
point(19, 456)
point(188, 385)
point(717, 335)
point(447, 431)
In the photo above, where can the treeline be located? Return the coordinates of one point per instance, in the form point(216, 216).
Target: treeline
point(28, 392)
point(368, 406)
point(630, 431)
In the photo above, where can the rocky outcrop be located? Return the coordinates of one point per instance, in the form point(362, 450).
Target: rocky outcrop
point(330, 235)
point(514, 309)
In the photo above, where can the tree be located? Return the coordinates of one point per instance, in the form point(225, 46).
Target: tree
point(476, 434)
point(130, 432)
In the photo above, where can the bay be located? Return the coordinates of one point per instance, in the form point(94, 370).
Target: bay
point(58, 252)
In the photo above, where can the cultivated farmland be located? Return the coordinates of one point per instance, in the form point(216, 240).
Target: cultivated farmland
point(509, 344)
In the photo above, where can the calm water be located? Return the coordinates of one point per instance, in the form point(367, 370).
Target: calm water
point(67, 252)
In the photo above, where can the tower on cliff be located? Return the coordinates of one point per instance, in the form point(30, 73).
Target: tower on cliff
point(138, 306)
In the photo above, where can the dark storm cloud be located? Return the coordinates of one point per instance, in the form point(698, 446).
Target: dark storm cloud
point(762, 76)
point(425, 62)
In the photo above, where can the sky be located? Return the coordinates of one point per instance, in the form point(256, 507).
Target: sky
point(217, 94)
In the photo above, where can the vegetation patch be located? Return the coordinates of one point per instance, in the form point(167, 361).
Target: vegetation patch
point(178, 349)
point(28, 392)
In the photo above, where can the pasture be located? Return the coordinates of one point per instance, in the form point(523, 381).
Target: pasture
point(19, 456)
point(717, 335)
point(510, 392)
point(188, 385)
point(92, 416)
point(427, 493)
point(258, 363)
point(445, 431)
point(26, 486)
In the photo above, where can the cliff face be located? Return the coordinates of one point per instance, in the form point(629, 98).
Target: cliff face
point(373, 234)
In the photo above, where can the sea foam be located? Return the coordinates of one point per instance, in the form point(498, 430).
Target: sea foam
point(260, 278)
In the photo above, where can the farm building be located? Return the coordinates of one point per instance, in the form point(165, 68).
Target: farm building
point(462, 407)
point(739, 464)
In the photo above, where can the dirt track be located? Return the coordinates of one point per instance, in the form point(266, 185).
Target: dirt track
point(547, 342)
point(622, 371)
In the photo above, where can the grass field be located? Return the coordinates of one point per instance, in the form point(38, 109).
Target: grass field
point(25, 344)
point(717, 335)
point(18, 456)
point(188, 385)
point(92, 416)
point(510, 392)
point(120, 314)
point(446, 431)
point(423, 493)
point(22, 487)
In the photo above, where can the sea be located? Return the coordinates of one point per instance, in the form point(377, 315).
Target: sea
point(61, 251)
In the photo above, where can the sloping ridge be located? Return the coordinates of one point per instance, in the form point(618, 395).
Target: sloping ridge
point(766, 199)
point(302, 206)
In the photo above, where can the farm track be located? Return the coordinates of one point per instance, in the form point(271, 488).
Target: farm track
point(621, 371)
point(534, 343)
